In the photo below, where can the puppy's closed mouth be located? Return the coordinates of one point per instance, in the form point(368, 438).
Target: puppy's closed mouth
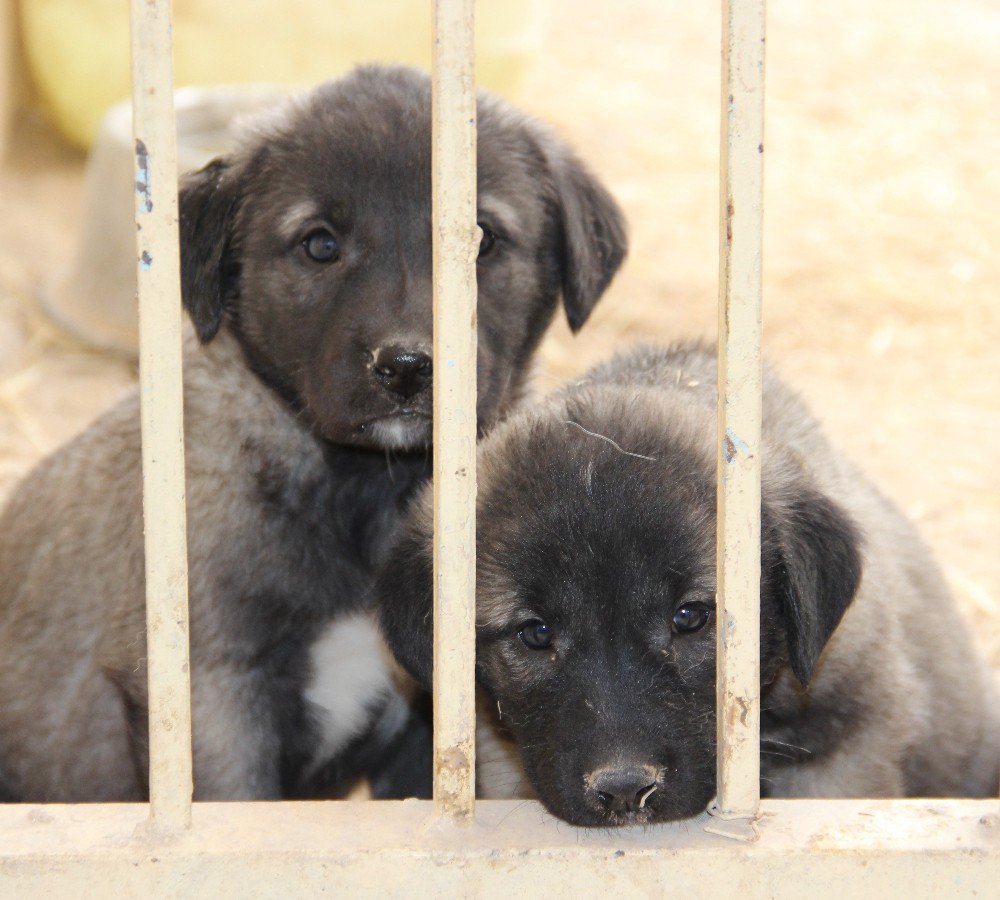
point(405, 429)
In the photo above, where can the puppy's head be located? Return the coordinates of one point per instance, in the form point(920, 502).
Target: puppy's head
point(313, 243)
point(596, 599)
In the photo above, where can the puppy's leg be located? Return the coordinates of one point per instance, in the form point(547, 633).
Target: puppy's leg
point(500, 773)
point(137, 723)
point(368, 715)
point(6, 794)
point(237, 741)
point(404, 766)
point(859, 770)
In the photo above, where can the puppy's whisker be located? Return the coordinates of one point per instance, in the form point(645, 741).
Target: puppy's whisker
point(614, 444)
point(805, 750)
point(780, 755)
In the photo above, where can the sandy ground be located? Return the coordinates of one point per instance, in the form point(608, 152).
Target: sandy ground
point(882, 260)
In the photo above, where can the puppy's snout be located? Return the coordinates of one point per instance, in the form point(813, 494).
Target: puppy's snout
point(402, 371)
point(623, 789)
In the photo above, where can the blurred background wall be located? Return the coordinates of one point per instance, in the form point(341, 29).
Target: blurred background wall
point(78, 50)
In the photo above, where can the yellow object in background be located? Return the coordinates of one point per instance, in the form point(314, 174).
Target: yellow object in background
point(78, 50)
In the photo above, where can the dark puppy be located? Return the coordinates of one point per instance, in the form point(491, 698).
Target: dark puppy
point(596, 627)
point(306, 259)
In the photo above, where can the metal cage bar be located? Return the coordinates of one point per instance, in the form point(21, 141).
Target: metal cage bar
point(455, 247)
point(161, 394)
point(738, 542)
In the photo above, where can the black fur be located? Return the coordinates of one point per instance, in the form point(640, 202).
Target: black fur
point(208, 275)
point(300, 457)
point(312, 340)
point(310, 330)
point(605, 545)
point(818, 573)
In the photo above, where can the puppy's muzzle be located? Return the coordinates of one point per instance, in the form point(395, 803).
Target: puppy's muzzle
point(622, 789)
point(401, 371)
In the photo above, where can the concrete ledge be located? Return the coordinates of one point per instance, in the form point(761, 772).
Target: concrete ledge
point(806, 848)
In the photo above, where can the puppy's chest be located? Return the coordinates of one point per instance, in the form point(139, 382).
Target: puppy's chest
point(300, 549)
point(331, 506)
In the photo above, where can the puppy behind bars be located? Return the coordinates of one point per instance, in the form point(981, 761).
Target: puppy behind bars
point(306, 270)
point(596, 610)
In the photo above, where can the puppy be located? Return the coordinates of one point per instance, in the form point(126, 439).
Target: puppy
point(596, 608)
point(306, 270)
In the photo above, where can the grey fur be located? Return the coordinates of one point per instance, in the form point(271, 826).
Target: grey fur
point(297, 462)
point(871, 686)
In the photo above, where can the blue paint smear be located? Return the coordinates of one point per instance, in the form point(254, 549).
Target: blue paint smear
point(142, 177)
point(736, 445)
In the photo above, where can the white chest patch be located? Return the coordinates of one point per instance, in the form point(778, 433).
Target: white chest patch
point(352, 674)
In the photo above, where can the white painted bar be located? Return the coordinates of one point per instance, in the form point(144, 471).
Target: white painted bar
point(807, 848)
point(738, 618)
point(160, 374)
point(455, 247)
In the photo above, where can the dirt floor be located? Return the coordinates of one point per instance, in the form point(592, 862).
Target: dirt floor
point(881, 243)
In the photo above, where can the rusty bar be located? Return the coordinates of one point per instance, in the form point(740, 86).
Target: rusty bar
point(738, 547)
point(161, 391)
point(455, 247)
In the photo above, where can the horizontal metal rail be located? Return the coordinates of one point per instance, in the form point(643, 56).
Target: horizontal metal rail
point(806, 848)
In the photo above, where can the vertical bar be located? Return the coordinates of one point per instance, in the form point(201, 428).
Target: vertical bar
point(170, 779)
point(455, 247)
point(738, 550)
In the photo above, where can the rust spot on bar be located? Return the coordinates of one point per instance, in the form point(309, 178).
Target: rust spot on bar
point(730, 449)
point(453, 759)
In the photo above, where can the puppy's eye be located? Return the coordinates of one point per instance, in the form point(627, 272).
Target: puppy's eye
point(691, 617)
point(487, 241)
point(536, 635)
point(321, 246)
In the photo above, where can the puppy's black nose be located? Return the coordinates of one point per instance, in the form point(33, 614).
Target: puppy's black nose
point(402, 372)
point(622, 789)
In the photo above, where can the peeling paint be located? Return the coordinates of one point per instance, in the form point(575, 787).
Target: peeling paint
point(145, 261)
point(745, 706)
point(736, 445)
point(142, 188)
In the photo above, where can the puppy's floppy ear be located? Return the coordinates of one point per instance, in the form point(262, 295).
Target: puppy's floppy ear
point(404, 594)
point(592, 240)
point(209, 270)
point(818, 571)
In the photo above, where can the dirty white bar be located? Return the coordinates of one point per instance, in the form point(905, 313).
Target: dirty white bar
point(738, 622)
point(170, 781)
point(455, 247)
point(806, 848)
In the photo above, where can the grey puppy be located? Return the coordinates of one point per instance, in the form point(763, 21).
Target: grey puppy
point(596, 610)
point(306, 269)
